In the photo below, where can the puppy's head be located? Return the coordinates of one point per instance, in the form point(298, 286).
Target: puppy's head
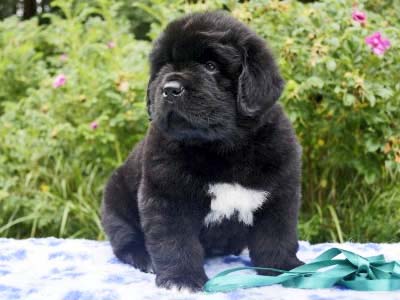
point(212, 79)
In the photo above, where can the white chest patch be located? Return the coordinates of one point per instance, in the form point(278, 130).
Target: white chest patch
point(228, 199)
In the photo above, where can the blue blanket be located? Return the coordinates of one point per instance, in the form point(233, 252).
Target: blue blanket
point(57, 269)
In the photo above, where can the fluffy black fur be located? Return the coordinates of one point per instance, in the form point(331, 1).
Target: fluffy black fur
point(224, 128)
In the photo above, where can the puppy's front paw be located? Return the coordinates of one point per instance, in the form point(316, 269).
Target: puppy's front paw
point(287, 265)
point(294, 263)
point(192, 283)
point(138, 259)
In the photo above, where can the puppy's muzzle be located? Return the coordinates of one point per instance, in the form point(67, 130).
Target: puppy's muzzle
point(172, 90)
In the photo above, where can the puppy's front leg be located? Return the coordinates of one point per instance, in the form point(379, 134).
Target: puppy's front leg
point(172, 241)
point(273, 239)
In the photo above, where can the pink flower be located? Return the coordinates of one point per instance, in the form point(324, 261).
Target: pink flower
point(60, 80)
point(63, 57)
point(377, 43)
point(359, 16)
point(94, 125)
point(111, 44)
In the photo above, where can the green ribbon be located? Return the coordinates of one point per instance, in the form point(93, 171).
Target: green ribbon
point(354, 272)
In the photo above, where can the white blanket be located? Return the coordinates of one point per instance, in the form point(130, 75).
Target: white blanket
point(57, 269)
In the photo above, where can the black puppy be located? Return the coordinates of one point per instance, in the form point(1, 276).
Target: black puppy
point(219, 169)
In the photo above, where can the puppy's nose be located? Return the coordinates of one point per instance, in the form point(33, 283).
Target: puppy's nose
point(172, 89)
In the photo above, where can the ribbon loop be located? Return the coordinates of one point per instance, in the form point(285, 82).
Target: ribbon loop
point(354, 272)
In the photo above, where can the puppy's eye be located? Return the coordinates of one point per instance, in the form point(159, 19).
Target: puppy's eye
point(211, 66)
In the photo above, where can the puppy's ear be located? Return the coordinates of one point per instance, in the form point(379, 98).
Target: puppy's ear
point(260, 84)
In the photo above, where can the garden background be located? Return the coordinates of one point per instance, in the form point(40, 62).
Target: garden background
point(73, 76)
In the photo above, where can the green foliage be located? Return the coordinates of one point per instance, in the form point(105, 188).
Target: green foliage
point(344, 102)
point(53, 162)
point(342, 98)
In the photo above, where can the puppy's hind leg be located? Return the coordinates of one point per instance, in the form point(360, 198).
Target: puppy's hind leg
point(120, 219)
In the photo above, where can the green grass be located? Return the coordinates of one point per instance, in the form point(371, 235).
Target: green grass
point(354, 215)
point(66, 206)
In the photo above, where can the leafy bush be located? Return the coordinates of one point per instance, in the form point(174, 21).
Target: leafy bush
point(344, 102)
point(59, 144)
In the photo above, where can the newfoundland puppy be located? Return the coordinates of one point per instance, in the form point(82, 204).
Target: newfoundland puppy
point(219, 168)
